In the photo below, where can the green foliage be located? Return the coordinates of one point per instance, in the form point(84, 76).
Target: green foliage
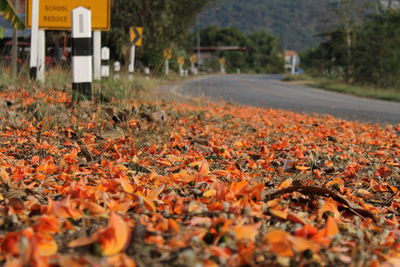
point(165, 25)
point(374, 52)
point(7, 11)
point(262, 56)
point(1, 32)
point(295, 22)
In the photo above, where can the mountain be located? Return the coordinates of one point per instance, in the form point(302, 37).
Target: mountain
point(295, 22)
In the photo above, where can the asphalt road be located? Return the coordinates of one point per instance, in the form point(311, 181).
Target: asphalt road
point(270, 92)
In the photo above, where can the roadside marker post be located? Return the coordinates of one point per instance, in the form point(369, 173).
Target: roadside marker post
point(34, 40)
point(105, 67)
point(117, 69)
point(131, 70)
point(136, 37)
point(97, 55)
point(82, 53)
point(222, 63)
point(168, 57)
point(181, 61)
point(147, 73)
point(293, 71)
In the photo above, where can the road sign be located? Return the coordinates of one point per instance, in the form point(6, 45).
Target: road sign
point(181, 60)
point(193, 59)
point(136, 34)
point(168, 53)
point(56, 14)
point(222, 61)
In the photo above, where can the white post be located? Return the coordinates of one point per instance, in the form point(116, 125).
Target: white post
point(117, 69)
point(131, 67)
point(34, 40)
point(166, 67)
point(181, 71)
point(41, 63)
point(293, 65)
point(147, 73)
point(82, 53)
point(222, 66)
point(105, 67)
point(97, 55)
point(192, 68)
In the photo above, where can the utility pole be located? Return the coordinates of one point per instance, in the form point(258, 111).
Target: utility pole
point(14, 59)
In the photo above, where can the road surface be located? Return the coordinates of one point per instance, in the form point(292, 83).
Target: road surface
point(269, 91)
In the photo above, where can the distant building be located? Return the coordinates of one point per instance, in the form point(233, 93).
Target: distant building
point(212, 52)
point(291, 56)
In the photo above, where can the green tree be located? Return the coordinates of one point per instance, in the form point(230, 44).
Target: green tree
point(375, 52)
point(7, 11)
point(165, 24)
point(262, 54)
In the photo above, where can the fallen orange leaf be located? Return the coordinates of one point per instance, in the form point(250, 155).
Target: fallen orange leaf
point(126, 185)
point(44, 245)
point(115, 243)
point(302, 168)
point(246, 231)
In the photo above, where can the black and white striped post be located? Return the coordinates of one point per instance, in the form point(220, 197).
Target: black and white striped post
point(105, 58)
point(82, 53)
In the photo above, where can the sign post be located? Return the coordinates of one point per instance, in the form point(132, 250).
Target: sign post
point(193, 60)
point(181, 61)
point(222, 63)
point(97, 55)
point(41, 56)
point(82, 53)
point(168, 57)
point(136, 34)
point(34, 39)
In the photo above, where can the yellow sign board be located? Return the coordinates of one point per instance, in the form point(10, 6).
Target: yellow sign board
point(222, 61)
point(136, 35)
point(56, 14)
point(168, 53)
point(193, 59)
point(181, 60)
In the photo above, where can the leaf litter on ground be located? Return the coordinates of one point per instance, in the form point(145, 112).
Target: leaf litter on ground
point(188, 184)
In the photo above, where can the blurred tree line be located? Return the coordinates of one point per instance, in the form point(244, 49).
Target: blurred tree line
point(263, 53)
point(169, 24)
point(165, 24)
point(362, 48)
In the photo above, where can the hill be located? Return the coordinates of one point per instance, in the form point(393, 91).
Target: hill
point(295, 22)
